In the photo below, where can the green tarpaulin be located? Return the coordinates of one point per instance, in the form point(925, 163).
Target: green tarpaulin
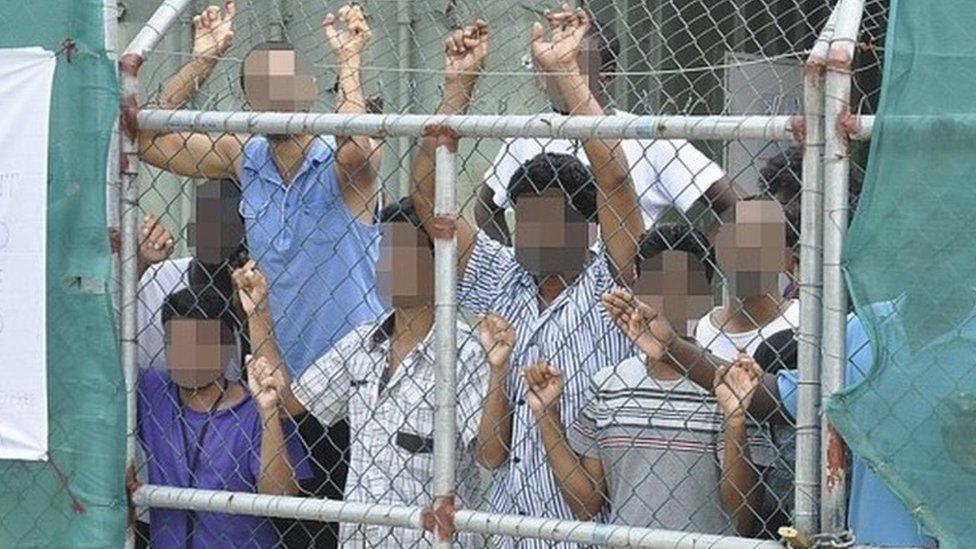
point(86, 392)
point(909, 260)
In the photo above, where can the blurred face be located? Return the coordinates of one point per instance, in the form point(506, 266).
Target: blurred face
point(405, 273)
point(751, 250)
point(272, 82)
point(218, 230)
point(198, 351)
point(675, 284)
point(551, 238)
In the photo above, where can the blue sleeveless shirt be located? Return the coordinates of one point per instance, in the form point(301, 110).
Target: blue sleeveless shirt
point(320, 261)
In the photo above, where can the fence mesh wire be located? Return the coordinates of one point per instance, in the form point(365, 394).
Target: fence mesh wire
point(649, 445)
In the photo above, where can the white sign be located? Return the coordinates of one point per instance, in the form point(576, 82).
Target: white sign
point(26, 77)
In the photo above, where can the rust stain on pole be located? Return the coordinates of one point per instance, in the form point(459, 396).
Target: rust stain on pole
point(836, 460)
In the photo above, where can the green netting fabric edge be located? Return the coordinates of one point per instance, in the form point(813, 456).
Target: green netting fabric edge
point(86, 391)
point(909, 112)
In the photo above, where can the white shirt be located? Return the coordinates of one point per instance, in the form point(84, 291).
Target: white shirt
point(725, 345)
point(391, 423)
point(159, 280)
point(666, 172)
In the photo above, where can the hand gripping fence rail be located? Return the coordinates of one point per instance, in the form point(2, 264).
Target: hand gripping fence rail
point(827, 128)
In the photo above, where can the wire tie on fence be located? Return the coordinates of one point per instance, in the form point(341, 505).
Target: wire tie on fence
point(68, 48)
point(445, 134)
point(76, 504)
point(444, 227)
point(129, 121)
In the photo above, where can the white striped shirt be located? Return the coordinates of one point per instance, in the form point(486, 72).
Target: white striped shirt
point(574, 333)
point(391, 423)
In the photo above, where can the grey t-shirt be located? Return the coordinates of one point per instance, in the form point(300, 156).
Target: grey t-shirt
point(660, 443)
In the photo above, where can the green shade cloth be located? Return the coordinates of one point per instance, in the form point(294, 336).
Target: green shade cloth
point(86, 392)
point(909, 261)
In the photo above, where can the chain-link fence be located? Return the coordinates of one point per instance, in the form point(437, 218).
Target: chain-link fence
point(385, 327)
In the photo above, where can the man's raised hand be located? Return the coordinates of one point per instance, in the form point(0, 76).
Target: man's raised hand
point(347, 33)
point(252, 288)
point(651, 332)
point(567, 30)
point(465, 53)
point(213, 31)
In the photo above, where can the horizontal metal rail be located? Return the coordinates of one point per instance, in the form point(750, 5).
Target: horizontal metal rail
point(501, 126)
point(600, 534)
point(262, 505)
point(716, 128)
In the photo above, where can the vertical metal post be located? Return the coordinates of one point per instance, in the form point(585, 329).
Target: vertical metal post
point(807, 487)
point(837, 90)
point(811, 300)
point(148, 37)
point(404, 22)
point(445, 326)
point(128, 254)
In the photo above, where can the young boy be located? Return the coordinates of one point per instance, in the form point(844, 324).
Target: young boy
point(650, 443)
point(545, 286)
point(200, 430)
point(381, 377)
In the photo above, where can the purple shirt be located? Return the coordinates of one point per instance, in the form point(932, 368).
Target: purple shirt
point(229, 458)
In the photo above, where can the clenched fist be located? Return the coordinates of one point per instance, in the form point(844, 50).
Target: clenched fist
point(252, 288)
point(266, 382)
point(348, 33)
point(544, 385)
point(213, 32)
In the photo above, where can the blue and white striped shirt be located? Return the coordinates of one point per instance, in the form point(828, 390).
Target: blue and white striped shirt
point(574, 333)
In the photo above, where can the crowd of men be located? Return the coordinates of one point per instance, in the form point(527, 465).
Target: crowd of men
point(293, 354)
